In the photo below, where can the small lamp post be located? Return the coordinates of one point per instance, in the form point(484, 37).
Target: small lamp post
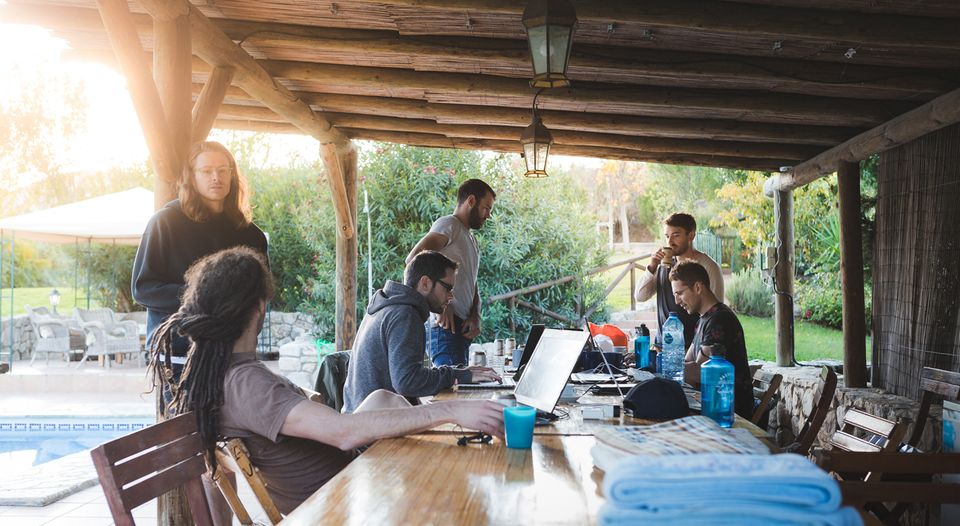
point(550, 25)
point(536, 141)
point(54, 299)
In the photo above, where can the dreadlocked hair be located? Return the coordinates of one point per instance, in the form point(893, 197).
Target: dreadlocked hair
point(222, 293)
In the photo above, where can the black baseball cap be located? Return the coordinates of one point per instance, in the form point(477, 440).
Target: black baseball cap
point(657, 399)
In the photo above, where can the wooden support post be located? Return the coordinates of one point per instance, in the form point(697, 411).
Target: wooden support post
point(341, 203)
point(783, 276)
point(512, 303)
point(173, 75)
point(346, 256)
point(146, 101)
point(633, 286)
point(208, 102)
point(851, 276)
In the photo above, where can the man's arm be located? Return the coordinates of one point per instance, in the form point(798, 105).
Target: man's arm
point(351, 430)
point(431, 241)
point(408, 377)
point(471, 326)
point(648, 281)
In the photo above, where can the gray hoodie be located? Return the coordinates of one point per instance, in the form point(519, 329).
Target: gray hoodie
point(389, 350)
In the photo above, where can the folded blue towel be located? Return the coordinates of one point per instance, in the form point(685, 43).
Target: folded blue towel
point(673, 485)
point(731, 514)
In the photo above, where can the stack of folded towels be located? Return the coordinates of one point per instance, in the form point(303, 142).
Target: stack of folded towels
point(722, 489)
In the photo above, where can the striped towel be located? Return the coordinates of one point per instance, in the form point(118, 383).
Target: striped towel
point(684, 436)
point(712, 488)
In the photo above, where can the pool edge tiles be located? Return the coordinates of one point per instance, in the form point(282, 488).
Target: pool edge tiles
point(51, 481)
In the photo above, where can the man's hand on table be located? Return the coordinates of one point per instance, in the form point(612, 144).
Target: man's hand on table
point(485, 416)
point(483, 374)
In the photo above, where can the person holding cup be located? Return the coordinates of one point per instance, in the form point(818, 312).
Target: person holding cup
point(679, 231)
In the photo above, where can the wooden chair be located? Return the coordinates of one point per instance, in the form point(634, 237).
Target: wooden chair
point(866, 433)
point(145, 464)
point(907, 478)
point(811, 427)
point(233, 456)
point(765, 386)
point(934, 383)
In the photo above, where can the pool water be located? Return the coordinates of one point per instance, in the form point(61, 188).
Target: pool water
point(31, 441)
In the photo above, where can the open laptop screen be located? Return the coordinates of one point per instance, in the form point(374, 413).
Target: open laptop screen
point(549, 368)
point(536, 331)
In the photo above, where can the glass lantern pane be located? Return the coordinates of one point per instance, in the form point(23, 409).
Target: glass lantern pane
point(537, 37)
point(529, 156)
point(541, 156)
point(559, 43)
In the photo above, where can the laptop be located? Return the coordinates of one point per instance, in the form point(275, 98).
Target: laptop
point(549, 367)
point(536, 331)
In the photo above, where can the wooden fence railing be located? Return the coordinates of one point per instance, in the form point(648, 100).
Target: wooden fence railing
point(513, 297)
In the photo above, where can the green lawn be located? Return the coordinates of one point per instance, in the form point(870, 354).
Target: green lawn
point(812, 341)
point(39, 297)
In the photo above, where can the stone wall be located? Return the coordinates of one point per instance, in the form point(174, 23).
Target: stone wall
point(800, 390)
point(23, 338)
point(286, 327)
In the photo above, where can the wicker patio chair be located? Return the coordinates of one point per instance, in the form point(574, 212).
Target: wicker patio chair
point(106, 336)
point(54, 334)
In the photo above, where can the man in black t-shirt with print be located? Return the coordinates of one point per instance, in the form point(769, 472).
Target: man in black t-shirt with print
point(717, 325)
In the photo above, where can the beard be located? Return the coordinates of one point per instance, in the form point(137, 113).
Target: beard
point(476, 222)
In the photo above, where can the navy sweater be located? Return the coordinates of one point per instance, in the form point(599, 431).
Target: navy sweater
point(170, 244)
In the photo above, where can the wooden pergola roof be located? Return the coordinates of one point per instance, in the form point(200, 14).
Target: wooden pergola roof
point(756, 84)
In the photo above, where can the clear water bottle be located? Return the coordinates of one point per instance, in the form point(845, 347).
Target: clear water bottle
point(641, 347)
point(716, 387)
point(674, 348)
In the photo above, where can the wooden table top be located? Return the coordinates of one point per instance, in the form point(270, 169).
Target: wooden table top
point(573, 424)
point(428, 479)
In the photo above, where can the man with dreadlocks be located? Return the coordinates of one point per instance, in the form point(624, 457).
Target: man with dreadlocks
point(297, 443)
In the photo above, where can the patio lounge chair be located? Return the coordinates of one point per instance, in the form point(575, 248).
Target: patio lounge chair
point(106, 336)
point(54, 335)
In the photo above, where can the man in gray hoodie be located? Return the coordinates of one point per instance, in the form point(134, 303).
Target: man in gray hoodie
point(389, 350)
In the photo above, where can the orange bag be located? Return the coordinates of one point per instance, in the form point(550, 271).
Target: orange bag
point(614, 332)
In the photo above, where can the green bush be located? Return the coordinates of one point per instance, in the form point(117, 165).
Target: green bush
point(747, 294)
point(821, 302)
point(536, 233)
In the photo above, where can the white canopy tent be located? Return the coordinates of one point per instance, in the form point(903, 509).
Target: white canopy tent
point(119, 218)
point(113, 218)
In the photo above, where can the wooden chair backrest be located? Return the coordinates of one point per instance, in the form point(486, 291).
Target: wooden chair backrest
point(880, 434)
point(934, 383)
point(765, 386)
point(145, 464)
point(233, 455)
point(808, 433)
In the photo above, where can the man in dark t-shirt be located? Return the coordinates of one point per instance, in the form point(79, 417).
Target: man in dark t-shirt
point(718, 325)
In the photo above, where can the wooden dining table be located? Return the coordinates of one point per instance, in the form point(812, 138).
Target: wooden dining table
point(428, 479)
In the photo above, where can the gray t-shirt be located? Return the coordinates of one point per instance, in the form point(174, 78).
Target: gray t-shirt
point(256, 403)
point(461, 247)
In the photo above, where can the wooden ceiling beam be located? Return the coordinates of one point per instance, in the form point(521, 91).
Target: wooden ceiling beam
point(596, 98)
point(217, 49)
point(441, 141)
point(509, 58)
point(783, 153)
point(938, 113)
point(774, 22)
point(209, 102)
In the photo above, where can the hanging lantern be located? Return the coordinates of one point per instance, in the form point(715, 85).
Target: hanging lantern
point(536, 141)
point(549, 25)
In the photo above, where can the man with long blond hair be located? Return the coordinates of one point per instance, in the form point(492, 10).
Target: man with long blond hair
point(211, 214)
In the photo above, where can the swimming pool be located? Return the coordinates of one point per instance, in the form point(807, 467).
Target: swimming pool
point(30, 441)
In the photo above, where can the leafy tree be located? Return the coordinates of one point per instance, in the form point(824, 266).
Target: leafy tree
point(537, 232)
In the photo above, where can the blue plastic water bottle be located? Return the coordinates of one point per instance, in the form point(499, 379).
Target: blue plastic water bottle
point(716, 387)
point(673, 348)
point(641, 347)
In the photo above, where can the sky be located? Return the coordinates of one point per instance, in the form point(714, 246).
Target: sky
point(112, 135)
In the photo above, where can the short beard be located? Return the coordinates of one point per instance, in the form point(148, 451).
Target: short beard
point(476, 222)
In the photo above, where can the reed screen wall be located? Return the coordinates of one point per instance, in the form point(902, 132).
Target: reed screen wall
point(916, 278)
